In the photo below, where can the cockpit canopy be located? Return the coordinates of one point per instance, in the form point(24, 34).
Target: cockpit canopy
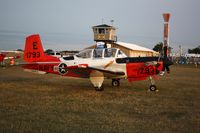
point(101, 53)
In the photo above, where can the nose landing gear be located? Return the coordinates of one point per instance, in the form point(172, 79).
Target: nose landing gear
point(152, 86)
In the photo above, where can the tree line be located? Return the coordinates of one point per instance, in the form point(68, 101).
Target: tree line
point(158, 48)
point(194, 50)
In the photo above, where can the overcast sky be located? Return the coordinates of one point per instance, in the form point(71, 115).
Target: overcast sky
point(66, 24)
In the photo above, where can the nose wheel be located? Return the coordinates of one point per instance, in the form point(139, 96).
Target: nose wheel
point(152, 86)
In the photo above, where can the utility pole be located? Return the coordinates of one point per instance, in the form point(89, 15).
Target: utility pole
point(166, 17)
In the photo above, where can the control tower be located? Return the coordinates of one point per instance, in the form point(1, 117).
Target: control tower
point(104, 33)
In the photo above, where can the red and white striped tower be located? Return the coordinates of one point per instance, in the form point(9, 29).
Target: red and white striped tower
point(166, 17)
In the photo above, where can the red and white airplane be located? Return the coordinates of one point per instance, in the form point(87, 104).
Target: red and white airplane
point(4, 57)
point(95, 64)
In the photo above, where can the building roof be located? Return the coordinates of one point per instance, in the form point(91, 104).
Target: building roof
point(103, 26)
point(134, 47)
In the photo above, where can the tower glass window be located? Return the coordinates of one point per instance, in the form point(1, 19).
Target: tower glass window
point(101, 31)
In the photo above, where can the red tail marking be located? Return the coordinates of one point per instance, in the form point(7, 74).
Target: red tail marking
point(34, 51)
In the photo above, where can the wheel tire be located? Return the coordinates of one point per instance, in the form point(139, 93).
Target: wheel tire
point(152, 88)
point(99, 88)
point(115, 83)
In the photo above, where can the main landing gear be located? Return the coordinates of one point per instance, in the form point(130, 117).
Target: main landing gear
point(152, 86)
point(115, 82)
point(101, 88)
point(97, 79)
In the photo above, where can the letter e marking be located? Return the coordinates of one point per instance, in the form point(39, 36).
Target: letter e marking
point(35, 46)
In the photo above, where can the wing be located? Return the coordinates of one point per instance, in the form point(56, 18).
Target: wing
point(84, 72)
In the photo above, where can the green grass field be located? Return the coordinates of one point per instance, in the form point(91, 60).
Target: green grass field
point(51, 103)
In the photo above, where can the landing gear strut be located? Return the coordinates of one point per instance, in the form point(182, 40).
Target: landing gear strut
point(152, 86)
point(115, 82)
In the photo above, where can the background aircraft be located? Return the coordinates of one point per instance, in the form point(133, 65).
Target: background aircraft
point(4, 57)
point(95, 64)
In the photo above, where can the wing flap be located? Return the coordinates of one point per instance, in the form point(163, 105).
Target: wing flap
point(116, 73)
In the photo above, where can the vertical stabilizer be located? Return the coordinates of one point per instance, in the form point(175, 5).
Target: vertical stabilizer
point(34, 52)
